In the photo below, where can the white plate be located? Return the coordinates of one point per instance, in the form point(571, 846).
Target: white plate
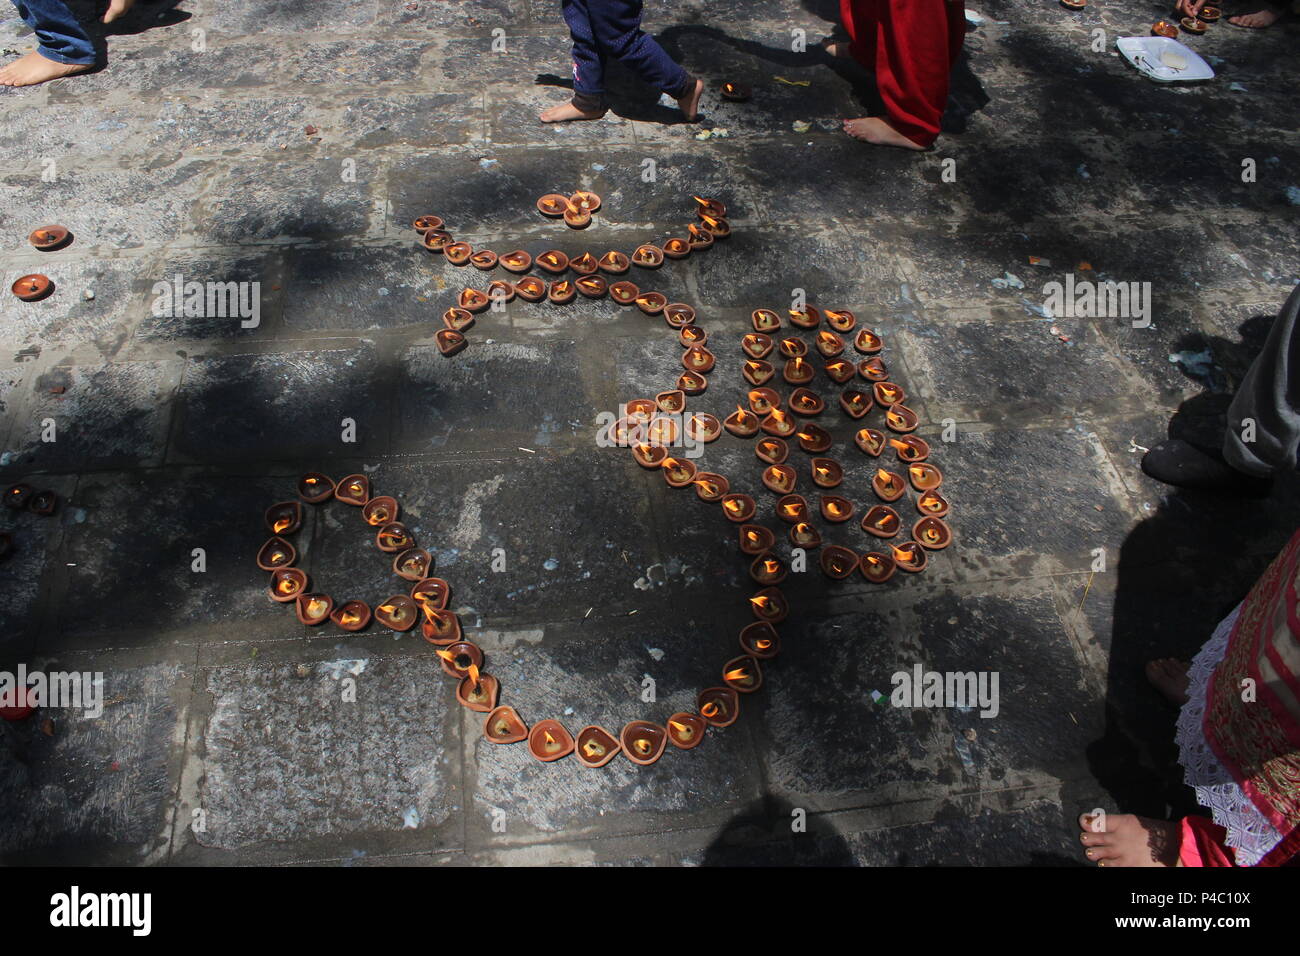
point(1145, 54)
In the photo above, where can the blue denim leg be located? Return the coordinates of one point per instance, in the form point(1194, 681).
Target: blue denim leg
point(588, 58)
point(616, 25)
point(62, 37)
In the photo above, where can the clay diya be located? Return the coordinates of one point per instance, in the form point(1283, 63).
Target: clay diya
point(702, 426)
point(503, 726)
point(43, 503)
point(736, 92)
point(531, 289)
point(742, 674)
point(757, 372)
point(756, 345)
point(737, 507)
point(596, 746)
point(648, 256)
point(31, 288)
point(719, 706)
point(649, 456)
point(901, 419)
point(499, 291)
point(423, 224)
point(806, 402)
point(614, 263)
point(478, 692)
point(677, 248)
point(878, 568)
point(767, 569)
point(932, 534)
point(474, 300)
point(869, 441)
point(461, 659)
point(932, 503)
point(576, 218)
point(518, 261)
point(840, 370)
point(806, 318)
point(398, 613)
point(276, 553)
point(760, 640)
point(652, 303)
point(887, 393)
point(431, 592)
point(868, 342)
point(755, 539)
point(697, 237)
point(412, 564)
point(709, 207)
point(685, 730)
point(593, 287)
point(696, 358)
point(813, 439)
point(353, 490)
point(449, 342)
point(458, 253)
point(643, 742)
point(855, 403)
point(1163, 28)
point(457, 319)
point(765, 320)
point(351, 616)
point(910, 448)
point(314, 609)
point(841, 320)
point(779, 423)
point(394, 537)
point(678, 314)
point(798, 371)
point(804, 535)
point(17, 496)
point(380, 510)
point(678, 472)
point(1074, 4)
point(741, 423)
point(287, 584)
point(692, 335)
point(715, 226)
point(873, 369)
point(763, 401)
point(710, 486)
point(553, 261)
point(436, 240)
point(792, 508)
point(641, 409)
point(662, 431)
point(772, 451)
point(585, 200)
point(1210, 14)
point(553, 205)
point(791, 347)
point(836, 508)
point(692, 383)
point(562, 292)
point(888, 485)
point(910, 556)
point(779, 478)
point(48, 238)
point(284, 517)
point(829, 344)
point(670, 402)
point(1194, 25)
point(548, 740)
point(439, 627)
point(924, 476)
point(838, 562)
point(484, 259)
point(826, 472)
point(881, 521)
point(624, 293)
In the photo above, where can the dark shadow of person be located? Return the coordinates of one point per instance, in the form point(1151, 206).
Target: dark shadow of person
point(766, 833)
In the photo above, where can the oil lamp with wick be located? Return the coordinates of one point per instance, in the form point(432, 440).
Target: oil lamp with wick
point(548, 740)
point(484, 259)
point(643, 742)
point(804, 535)
point(678, 314)
point(624, 293)
point(780, 479)
point(738, 507)
point(769, 604)
point(449, 342)
point(840, 371)
point(698, 237)
point(379, 510)
point(932, 503)
point(826, 472)
point(763, 400)
point(648, 256)
point(284, 517)
point(855, 403)
point(873, 370)
point(755, 539)
point(760, 640)
point(423, 224)
point(881, 521)
point(838, 562)
point(412, 564)
point(835, 508)
point(742, 674)
point(313, 609)
point(719, 706)
point(351, 616)
point(499, 290)
point(642, 409)
point(576, 217)
point(615, 263)
point(287, 584)
point(932, 534)
point(709, 207)
point(868, 342)
point(779, 423)
point(692, 383)
point(276, 553)
point(710, 486)
point(910, 448)
point(592, 287)
point(924, 476)
point(652, 303)
point(765, 320)
point(841, 320)
point(757, 372)
point(888, 485)
point(437, 240)
point(32, 288)
point(438, 626)
point(812, 439)
point(692, 335)
point(531, 289)
point(458, 319)
point(478, 691)
point(910, 556)
point(698, 359)
point(715, 226)
point(553, 205)
point(562, 292)
point(518, 261)
point(649, 456)
point(869, 441)
point(829, 344)
point(474, 300)
point(878, 568)
point(806, 402)
point(703, 427)
point(670, 402)
point(662, 430)
point(741, 423)
point(887, 393)
point(394, 537)
point(767, 569)
point(798, 371)
point(736, 92)
point(503, 726)
point(585, 200)
point(49, 238)
point(398, 613)
point(434, 592)
point(553, 261)
point(901, 419)
point(678, 472)
point(772, 451)
point(596, 746)
point(686, 731)
point(792, 508)
point(792, 347)
point(677, 248)
point(584, 265)
point(756, 345)
point(315, 488)
point(458, 658)
point(458, 253)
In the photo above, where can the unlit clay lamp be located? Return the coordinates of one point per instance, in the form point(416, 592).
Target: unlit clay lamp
point(760, 640)
point(910, 556)
point(593, 287)
point(836, 508)
point(314, 488)
point(838, 562)
point(792, 508)
point(615, 263)
point(829, 344)
point(806, 318)
point(813, 439)
point(767, 569)
point(449, 342)
point(887, 393)
point(873, 369)
point(458, 253)
point(855, 403)
point(287, 584)
point(437, 240)
point(285, 517)
point(678, 314)
point(780, 478)
point(765, 320)
point(756, 345)
point(762, 401)
point(439, 627)
point(805, 402)
point(31, 288)
point(531, 289)
point(924, 476)
point(697, 359)
point(478, 692)
point(881, 521)
point(48, 238)
point(798, 371)
point(412, 564)
point(710, 486)
point(314, 609)
point(1194, 25)
point(910, 448)
point(648, 256)
point(474, 300)
point(841, 320)
point(484, 259)
point(932, 503)
point(757, 372)
point(351, 616)
point(380, 510)
point(869, 441)
point(553, 261)
point(649, 456)
point(458, 659)
point(43, 503)
point(698, 238)
point(932, 534)
point(503, 726)
point(596, 746)
point(888, 485)
point(624, 293)
point(703, 427)
point(877, 568)
point(901, 419)
point(737, 507)
point(562, 292)
point(518, 261)
point(755, 539)
point(398, 613)
point(769, 605)
point(804, 535)
point(772, 451)
point(685, 730)
point(643, 742)
point(458, 319)
point(719, 706)
point(826, 472)
point(548, 740)
point(736, 92)
point(742, 674)
point(678, 472)
point(677, 248)
point(741, 423)
point(433, 592)
point(553, 205)
point(692, 383)
point(276, 553)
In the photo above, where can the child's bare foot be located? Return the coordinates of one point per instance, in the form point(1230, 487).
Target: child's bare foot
point(34, 68)
point(836, 48)
point(690, 101)
point(1169, 676)
point(118, 9)
point(1130, 841)
point(567, 112)
point(1258, 20)
point(874, 130)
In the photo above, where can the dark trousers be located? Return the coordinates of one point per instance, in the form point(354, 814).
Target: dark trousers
point(612, 28)
point(61, 36)
point(1269, 396)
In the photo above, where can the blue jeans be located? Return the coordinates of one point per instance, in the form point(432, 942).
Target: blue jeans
point(612, 28)
point(62, 37)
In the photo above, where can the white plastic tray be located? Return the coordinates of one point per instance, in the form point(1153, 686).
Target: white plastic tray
point(1144, 53)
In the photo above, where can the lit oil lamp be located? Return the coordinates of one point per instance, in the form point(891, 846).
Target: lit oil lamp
point(643, 742)
point(741, 423)
point(651, 303)
point(901, 419)
point(379, 510)
point(924, 476)
point(435, 592)
point(803, 535)
point(662, 431)
point(798, 371)
point(678, 314)
point(484, 259)
point(881, 521)
point(1210, 14)
point(709, 207)
point(838, 562)
point(412, 564)
point(478, 692)
point(584, 265)
point(772, 451)
point(888, 485)
point(518, 261)
point(562, 292)
point(531, 289)
point(31, 288)
point(586, 200)
point(577, 218)
point(398, 613)
point(710, 486)
point(458, 253)
point(282, 518)
point(736, 92)
point(438, 626)
point(715, 226)
point(314, 488)
point(615, 263)
point(932, 534)
point(737, 507)
point(503, 726)
point(697, 237)
point(692, 335)
point(499, 290)
point(791, 347)
point(910, 448)
point(806, 402)
point(314, 609)
point(756, 345)
point(760, 640)
point(686, 730)
point(868, 342)
point(692, 383)
point(43, 503)
point(597, 746)
point(678, 472)
point(648, 256)
point(765, 320)
point(813, 439)
point(697, 358)
point(780, 479)
point(767, 569)
point(351, 616)
point(826, 472)
point(763, 400)
point(873, 369)
point(47, 238)
point(593, 287)
point(910, 556)
point(353, 490)
point(553, 205)
point(703, 427)
point(755, 539)
point(548, 740)
point(779, 423)
point(806, 318)
point(474, 300)
point(458, 658)
point(829, 344)
point(649, 456)
point(287, 584)
point(841, 320)
point(624, 293)
point(642, 409)
point(836, 508)
point(887, 393)
point(719, 706)
point(792, 508)
point(1194, 25)
point(742, 674)
point(437, 240)
point(757, 372)
point(677, 248)
point(449, 342)
point(394, 537)
point(855, 403)
point(877, 568)
point(840, 370)
point(276, 553)
point(458, 319)
point(553, 261)
point(932, 503)
point(869, 441)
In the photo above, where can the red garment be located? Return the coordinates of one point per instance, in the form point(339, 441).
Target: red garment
point(911, 45)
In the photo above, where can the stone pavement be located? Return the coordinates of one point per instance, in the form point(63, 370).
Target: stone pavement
point(224, 738)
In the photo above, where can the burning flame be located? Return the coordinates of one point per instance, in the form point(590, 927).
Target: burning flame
point(387, 608)
point(931, 534)
point(473, 675)
point(710, 220)
point(806, 436)
point(901, 447)
point(762, 643)
point(683, 729)
point(803, 529)
point(550, 741)
point(281, 524)
point(350, 617)
point(642, 745)
point(902, 555)
point(738, 673)
point(287, 586)
point(835, 508)
point(771, 566)
point(791, 509)
point(823, 471)
point(707, 486)
point(918, 472)
point(710, 709)
point(734, 505)
point(311, 481)
point(885, 478)
point(592, 749)
point(446, 655)
point(761, 601)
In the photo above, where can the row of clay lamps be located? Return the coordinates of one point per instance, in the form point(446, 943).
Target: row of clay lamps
point(23, 497)
point(34, 287)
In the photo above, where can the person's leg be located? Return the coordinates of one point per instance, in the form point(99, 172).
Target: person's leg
point(64, 46)
point(117, 9)
point(1122, 839)
point(588, 100)
point(1260, 19)
point(617, 26)
point(1269, 396)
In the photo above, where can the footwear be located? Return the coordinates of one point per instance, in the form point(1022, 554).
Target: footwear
point(1184, 465)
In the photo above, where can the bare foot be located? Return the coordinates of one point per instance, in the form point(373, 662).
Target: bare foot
point(874, 130)
point(1129, 841)
point(836, 48)
point(690, 101)
point(1258, 20)
point(118, 9)
point(34, 68)
point(567, 112)
point(1169, 676)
